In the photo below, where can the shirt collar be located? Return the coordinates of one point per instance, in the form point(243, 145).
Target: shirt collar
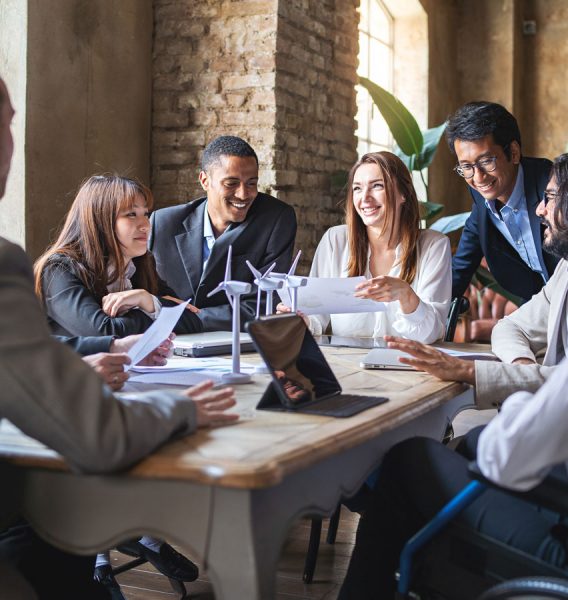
point(207, 227)
point(122, 283)
point(517, 198)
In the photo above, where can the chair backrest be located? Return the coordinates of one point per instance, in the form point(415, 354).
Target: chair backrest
point(458, 306)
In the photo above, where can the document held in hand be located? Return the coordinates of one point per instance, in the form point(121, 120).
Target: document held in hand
point(156, 333)
point(331, 295)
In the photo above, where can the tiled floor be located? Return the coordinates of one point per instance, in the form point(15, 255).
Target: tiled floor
point(145, 584)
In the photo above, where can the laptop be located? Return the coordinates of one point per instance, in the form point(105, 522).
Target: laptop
point(302, 380)
point(212, 343)
point(385, 358)
point(343, 341)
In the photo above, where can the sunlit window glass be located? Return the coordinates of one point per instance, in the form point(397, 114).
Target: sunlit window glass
point(376, 57)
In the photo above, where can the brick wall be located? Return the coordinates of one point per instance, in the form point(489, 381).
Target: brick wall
point(214, 71)
point(279, 73)
point(316, 62)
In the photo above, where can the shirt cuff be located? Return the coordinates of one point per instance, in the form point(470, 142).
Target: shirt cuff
point(414, 317)
point(157, 309)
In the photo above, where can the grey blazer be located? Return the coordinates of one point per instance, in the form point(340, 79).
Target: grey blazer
point(52, 395)
point(267, 235)
point(534, 328)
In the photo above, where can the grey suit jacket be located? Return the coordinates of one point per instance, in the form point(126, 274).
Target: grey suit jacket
point(534, 328)
point(52, 395)
point(267, 235)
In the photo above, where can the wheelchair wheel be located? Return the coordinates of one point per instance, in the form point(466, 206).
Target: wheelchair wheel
point(528, 588)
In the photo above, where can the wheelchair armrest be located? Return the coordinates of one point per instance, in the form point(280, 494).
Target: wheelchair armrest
point(551, 493)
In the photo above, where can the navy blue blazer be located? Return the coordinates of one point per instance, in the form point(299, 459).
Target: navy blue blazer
point(266, 235)
point(481, 238)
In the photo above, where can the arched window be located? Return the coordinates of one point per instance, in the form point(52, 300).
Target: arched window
point(376, 62)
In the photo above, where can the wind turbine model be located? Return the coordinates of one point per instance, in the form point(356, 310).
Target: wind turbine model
point(265, 284)
point(293, 282)
point(234, 291)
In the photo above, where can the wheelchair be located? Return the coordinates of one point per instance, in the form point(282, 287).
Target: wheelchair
point(463, 564)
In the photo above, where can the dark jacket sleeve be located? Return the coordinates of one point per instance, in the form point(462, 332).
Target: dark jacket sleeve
point(468, 255)
point(85, 345)
point(279, 250)
point(55, 397)
point(75, 311)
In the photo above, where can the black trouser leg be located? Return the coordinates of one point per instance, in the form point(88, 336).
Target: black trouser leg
point(51, 572)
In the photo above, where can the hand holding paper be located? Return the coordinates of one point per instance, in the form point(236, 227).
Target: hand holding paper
point(156, 333)
point(331, 295)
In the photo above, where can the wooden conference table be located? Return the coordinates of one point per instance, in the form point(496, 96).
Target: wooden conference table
point(230, 495)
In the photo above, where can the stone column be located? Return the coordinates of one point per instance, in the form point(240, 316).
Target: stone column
point(86, 106)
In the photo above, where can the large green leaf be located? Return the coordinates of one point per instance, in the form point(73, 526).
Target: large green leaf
point(451, 223)
point(487, 280)
point(417, 162)
point(428, 210)
point(402, 124)
point(431, 140)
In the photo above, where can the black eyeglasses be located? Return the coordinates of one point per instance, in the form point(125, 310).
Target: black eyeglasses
point(486, 165)
point(549, 196)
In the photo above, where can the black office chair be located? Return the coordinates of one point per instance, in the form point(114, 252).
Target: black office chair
point(463, 564)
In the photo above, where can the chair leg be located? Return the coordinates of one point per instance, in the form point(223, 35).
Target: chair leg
point(179, 588)
point(312, 553)
point(333, 525)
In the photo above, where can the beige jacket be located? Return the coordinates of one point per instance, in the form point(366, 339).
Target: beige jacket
point(52, 395)
point(532, 329)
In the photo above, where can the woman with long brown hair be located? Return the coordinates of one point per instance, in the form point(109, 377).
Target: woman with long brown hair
point(98, 278)
point(407, 268)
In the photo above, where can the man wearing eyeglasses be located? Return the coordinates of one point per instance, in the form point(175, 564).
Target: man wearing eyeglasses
point(539, 326)
point(506, 189)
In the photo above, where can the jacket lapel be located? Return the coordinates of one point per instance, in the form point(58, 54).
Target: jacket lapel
point(557, 317)
point(533, 200)
point(190, 246)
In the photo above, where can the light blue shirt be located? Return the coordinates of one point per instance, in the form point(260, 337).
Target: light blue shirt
point(208, 238)
point(516, 225)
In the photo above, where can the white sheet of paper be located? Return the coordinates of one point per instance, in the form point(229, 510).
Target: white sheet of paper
point(156, 333)
point(186, 371)
point(208, 363)
point(331, 295)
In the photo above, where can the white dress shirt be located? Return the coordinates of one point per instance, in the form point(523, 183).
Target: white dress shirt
point(432, 284)
point(528, 436)
point(208, 238)
point(514, 223)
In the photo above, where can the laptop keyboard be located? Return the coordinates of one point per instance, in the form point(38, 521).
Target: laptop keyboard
point(342, 405)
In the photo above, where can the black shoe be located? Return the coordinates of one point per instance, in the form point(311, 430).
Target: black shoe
point(104, 576)
point(168, 561)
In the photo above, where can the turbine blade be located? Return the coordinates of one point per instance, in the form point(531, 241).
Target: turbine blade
point(295, 263)
point(230, 298)
point(219, 288)
point(254, 271)
point(228, 267)
point(269, 270)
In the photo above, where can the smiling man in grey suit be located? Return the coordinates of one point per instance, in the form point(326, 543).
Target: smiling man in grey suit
point(538, 326)
point(190, 241)
point(52, 395)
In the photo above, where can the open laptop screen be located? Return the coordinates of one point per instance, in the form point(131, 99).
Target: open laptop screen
point(300, 371)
